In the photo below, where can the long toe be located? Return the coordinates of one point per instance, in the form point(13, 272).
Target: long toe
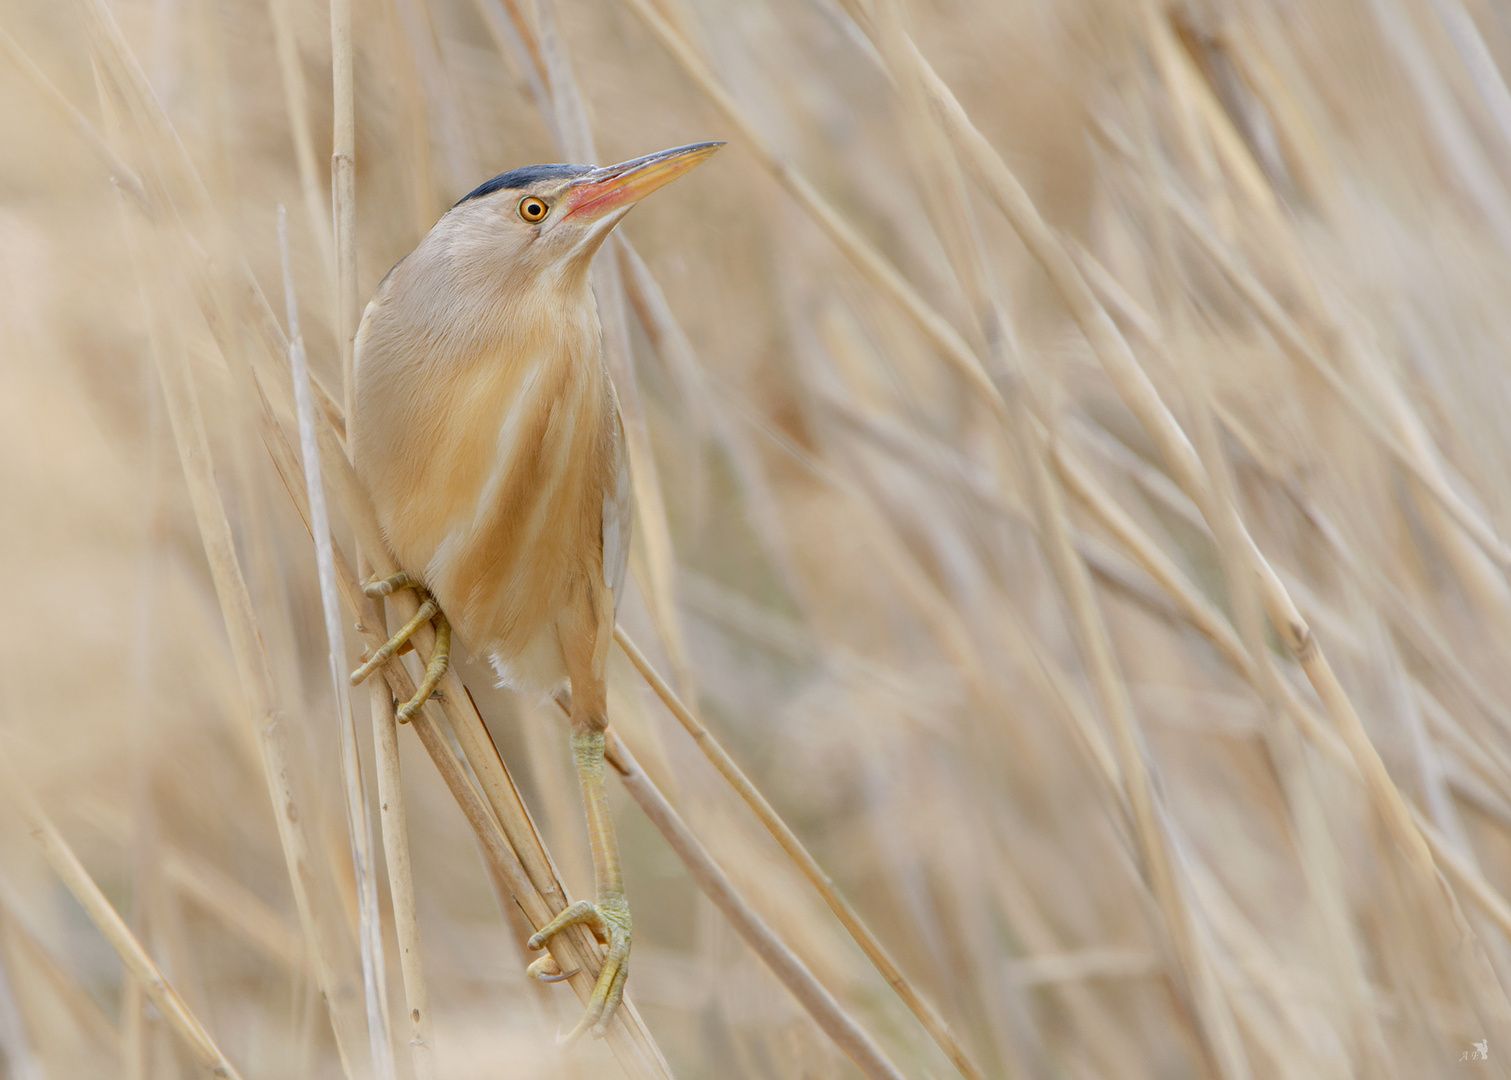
point(610, 920)
point(429, 610)
point(381, 587)
point(584, 912)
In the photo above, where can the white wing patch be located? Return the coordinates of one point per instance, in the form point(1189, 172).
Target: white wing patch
point(618, 512)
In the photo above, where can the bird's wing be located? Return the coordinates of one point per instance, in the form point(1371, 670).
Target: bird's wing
point(618, 513)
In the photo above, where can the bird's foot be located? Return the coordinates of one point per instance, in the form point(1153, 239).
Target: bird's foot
point(378, 588)
point(609, 919)
point(440, 656)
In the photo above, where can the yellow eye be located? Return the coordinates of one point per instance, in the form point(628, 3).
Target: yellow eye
point(532, 209)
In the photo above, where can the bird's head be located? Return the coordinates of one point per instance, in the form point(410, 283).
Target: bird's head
point(543, 223)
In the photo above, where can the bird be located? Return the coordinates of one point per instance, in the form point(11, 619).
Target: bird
point(487, 432)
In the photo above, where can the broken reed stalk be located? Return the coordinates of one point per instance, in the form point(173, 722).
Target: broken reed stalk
point(937, 1027)
point(78, 882)
point(358, 814)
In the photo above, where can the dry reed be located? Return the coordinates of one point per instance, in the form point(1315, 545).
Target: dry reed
point(1072, 492)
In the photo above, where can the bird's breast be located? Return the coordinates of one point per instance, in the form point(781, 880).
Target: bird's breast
point(489, 478)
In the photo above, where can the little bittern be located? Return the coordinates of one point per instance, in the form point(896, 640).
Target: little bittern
point(486, 430)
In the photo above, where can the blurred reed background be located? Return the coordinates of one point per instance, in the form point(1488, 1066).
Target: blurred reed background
point(1071, 453)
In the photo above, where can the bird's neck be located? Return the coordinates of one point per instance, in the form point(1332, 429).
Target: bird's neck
point(556, 323)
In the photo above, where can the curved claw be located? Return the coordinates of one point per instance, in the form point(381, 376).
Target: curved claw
point(610, 920)
point(547, 970)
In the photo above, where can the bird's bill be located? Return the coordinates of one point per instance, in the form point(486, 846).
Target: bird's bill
point(618, 187)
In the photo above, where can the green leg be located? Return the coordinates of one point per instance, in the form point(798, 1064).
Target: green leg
point(609, 918)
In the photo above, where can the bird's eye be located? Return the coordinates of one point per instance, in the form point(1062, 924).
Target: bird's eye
point(532, 209)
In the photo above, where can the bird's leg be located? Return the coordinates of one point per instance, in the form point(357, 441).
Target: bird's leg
point(609, 917)
point(586, 634)
point(440, 656)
